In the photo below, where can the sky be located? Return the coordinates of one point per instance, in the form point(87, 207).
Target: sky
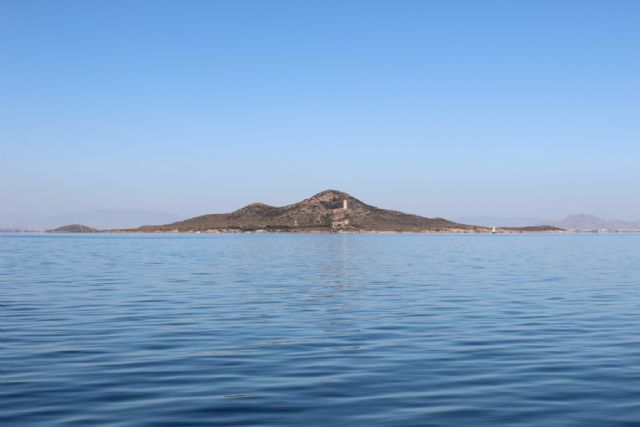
point(440, 108)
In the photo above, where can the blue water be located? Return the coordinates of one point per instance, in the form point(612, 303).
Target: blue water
point(335, 330)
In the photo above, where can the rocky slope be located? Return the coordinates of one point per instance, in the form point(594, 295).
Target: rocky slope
point(328, 211)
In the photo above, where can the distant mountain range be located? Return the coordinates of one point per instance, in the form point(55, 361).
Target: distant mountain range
point(490, 221)
point(97, 218)
point(591, 222)
point(322, 212)
point(328, 211)
point(578, 222)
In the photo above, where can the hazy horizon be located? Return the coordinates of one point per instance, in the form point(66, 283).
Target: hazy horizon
point(456, 109)
point(129, 218)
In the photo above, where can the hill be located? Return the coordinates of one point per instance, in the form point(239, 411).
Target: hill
point(529, 229)
point(102, 219)
point(591, 222)
point(491, 221)
point(74, 228)
point(328, 211)
point(111, 218)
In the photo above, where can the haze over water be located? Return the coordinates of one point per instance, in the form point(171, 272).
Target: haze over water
point(500, 109)
point(271, 330)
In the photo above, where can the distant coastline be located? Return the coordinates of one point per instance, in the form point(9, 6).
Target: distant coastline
point(330, 211)
point(333, 211)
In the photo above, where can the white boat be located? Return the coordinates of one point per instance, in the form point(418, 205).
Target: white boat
point(493, 230)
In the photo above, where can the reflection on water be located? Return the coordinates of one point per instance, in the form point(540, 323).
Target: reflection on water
point(375, 330)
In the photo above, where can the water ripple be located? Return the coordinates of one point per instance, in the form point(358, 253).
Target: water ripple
point(344, 330)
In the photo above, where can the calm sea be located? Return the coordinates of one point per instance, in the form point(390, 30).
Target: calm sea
point(331, 330)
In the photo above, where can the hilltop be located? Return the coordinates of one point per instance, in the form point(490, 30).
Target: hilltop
point(328, 211)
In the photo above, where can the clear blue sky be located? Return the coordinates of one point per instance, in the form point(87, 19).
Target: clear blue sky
point(448, 108)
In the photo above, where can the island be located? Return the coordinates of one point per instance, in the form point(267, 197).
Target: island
point(74, 228)
point(330, 211)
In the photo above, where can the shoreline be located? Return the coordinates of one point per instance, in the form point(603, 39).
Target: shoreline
point(338, 232)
